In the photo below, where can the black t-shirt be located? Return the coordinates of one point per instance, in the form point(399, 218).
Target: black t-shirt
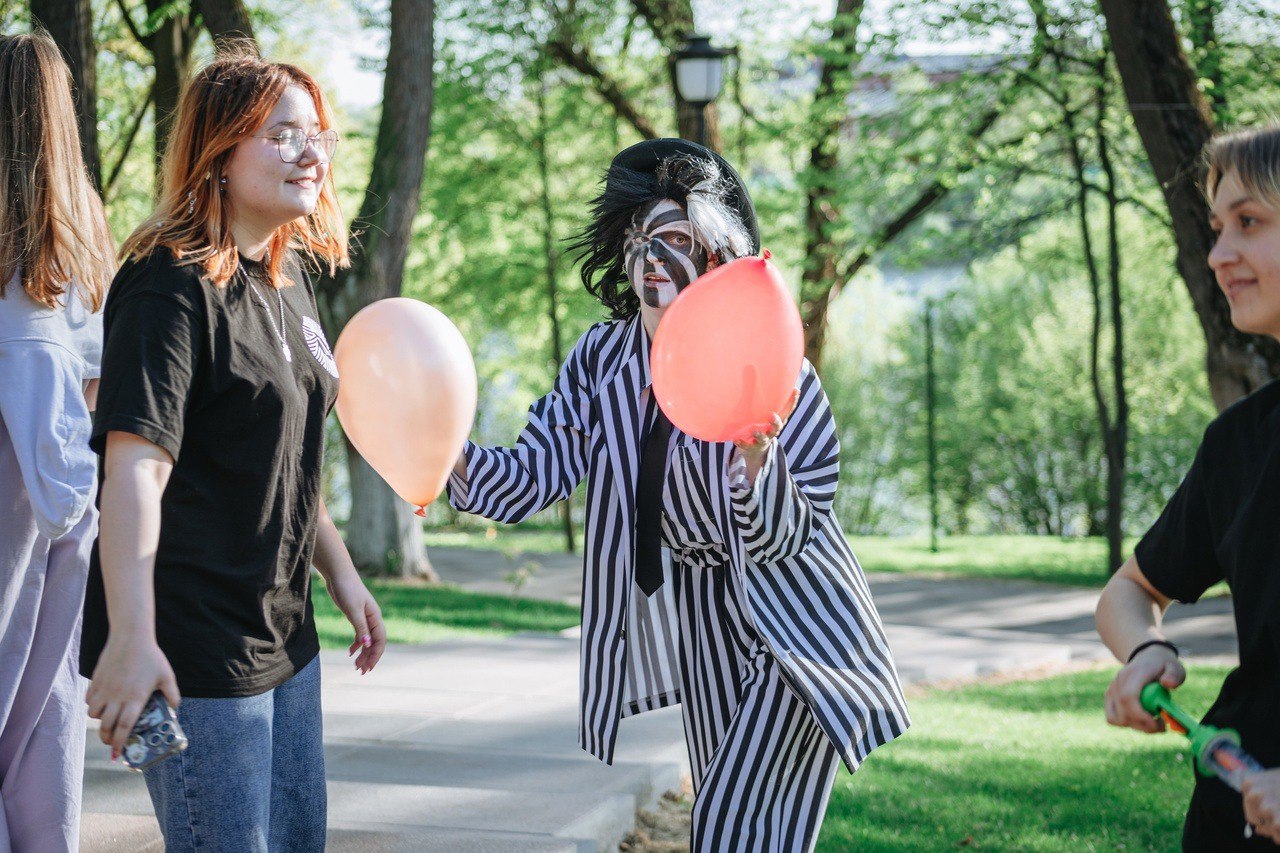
point(1223, 523)
point(201, 372)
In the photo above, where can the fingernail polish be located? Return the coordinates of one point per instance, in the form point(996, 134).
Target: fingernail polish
point(114, 755)
point(366, 641)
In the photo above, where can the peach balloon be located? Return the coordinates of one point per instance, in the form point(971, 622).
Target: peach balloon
point(407, 394)
point(728, 351)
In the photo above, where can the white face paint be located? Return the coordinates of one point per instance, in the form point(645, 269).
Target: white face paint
point(661, 253)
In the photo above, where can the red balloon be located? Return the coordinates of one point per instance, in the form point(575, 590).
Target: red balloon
point(728, 351)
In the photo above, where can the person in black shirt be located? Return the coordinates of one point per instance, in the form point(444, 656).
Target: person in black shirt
point(1220, 524)
point(216, 383)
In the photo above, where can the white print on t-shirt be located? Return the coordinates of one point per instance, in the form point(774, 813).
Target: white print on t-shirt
point(318, 345)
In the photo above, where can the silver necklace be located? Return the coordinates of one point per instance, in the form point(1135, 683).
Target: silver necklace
point(284, 343)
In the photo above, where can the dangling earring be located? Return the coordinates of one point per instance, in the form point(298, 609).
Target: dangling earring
point(191, 202)
point(222, 185)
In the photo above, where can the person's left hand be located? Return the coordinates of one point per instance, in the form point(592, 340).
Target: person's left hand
point(1262, 803)
point(755, 449)
point(357, 604)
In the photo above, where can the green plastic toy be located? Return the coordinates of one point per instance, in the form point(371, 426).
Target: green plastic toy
point(1217, 751)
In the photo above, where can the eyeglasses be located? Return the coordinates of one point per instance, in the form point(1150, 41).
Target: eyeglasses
point(292, 142)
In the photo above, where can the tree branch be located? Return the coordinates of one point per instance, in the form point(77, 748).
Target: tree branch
point(580, 60)
point(133, 28)
point(129, 138)
point(930, 196)
point(669, 20)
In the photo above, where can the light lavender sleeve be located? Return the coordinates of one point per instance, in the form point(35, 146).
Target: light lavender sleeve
point(45, 358)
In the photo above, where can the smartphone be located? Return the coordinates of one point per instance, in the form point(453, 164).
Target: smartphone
point(155, 737)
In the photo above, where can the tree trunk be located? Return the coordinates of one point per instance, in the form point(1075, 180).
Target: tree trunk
point(820, 279)
point(552, 267)
point(170, 48)
point(70, 24)
point(226, 19)
point(381, 524)
point(1112, 428)
point(671, 21)
point(1174, 121)
point(383, 535)
point(1117, 442)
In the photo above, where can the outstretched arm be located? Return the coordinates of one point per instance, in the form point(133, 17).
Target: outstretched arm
point(509, 484)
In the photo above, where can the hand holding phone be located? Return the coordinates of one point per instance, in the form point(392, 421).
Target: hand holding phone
point(155, 737)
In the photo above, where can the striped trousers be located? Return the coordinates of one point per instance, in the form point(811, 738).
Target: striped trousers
point(762, 767)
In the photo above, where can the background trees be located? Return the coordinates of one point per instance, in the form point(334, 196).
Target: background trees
point(1023, 170)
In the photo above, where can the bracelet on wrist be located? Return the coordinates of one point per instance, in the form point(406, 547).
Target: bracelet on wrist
point(1148, 644)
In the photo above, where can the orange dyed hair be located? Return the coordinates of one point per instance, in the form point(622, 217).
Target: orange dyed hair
point(52, 225)
point(223, 104)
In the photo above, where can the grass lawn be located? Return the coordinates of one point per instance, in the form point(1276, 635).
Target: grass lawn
point(502, 537)
point(416, 613)
point(1049, 559)
point(1022, 766)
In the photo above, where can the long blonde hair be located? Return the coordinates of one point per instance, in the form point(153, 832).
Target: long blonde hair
point(222, 105)
point(52, 225)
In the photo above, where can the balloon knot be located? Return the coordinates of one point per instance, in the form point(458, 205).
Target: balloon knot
point(421, 511)
point(766, 254)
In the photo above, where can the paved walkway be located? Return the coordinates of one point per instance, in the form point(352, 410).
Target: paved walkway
point(470, 745)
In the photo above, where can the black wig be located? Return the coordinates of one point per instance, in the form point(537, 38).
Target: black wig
point(708, 189)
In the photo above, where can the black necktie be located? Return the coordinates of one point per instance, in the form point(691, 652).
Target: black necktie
point(653, 469)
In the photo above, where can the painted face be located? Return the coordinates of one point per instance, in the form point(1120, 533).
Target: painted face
point(661, 254)
point(1246, 256)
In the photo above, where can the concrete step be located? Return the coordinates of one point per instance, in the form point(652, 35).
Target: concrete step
point(583, 820)
point(126, 833)
point(376, 838)
point(412, 764)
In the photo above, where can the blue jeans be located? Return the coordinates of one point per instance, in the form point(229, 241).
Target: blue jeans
point(252, 778)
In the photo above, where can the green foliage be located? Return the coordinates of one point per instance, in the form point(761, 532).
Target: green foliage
point(1024, 766)
point(1017, 423)
point(415, 613)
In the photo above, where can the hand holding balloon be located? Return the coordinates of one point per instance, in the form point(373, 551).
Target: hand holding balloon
point(755, 449)
point(727, 352)
point(407, 396)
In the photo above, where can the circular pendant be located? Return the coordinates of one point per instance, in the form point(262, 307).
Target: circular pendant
point(288, 353)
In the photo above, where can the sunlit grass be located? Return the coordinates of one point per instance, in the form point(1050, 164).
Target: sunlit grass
point(1050, 559)
point(418, 613)
point(1022, 766)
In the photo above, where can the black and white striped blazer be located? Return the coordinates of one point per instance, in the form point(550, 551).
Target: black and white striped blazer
point(805, 590)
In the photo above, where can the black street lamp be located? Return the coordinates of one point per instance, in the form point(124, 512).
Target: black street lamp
point(699, 76)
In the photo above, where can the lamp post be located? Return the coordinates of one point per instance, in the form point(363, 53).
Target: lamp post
point(931, 435)
point(699, 72)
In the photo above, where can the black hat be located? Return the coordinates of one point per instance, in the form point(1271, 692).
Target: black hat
point(645, 156)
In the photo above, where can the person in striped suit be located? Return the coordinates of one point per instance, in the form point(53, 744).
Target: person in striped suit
point(715, 574)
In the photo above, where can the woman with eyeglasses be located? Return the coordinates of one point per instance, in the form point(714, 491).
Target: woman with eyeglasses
point(216, 382)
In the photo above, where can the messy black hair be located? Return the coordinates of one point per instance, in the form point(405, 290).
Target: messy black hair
point(695, 183)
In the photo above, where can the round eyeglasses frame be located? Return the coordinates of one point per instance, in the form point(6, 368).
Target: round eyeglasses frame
point(292, 139)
